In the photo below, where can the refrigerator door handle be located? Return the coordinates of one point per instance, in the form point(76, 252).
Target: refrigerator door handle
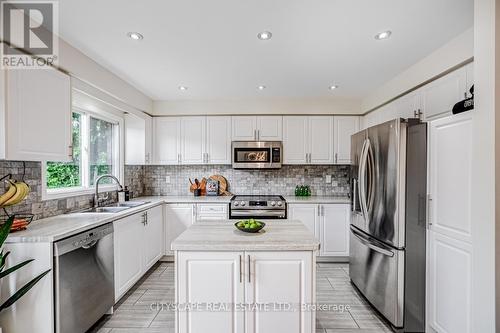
point(369, 243)
point(371, 176)
point(361, 179)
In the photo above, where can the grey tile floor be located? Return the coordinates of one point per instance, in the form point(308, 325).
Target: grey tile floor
point(134, 315)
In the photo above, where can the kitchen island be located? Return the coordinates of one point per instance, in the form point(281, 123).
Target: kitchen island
point(231, 281)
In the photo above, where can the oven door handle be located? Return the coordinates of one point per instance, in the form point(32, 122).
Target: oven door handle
point(260, 212)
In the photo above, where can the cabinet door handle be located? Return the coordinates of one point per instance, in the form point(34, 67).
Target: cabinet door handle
point(179, 158)
point(336, 157)
point(429, 204)
point(249, 269)
point(258, 135)
point(241, 270)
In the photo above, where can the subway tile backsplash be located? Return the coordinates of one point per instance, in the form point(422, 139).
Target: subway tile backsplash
point(174, 180)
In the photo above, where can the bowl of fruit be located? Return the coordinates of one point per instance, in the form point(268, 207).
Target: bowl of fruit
point(250, 225)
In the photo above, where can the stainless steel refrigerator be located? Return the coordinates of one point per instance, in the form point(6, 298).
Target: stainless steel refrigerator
point(388, 215)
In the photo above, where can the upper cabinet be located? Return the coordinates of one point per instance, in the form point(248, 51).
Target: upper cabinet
point(343, 128)
point(192, 140)
point(439, 96)
point(308, 140)
point(138, 139)
point(257, 128)
point(433, 101)
point(37, 101)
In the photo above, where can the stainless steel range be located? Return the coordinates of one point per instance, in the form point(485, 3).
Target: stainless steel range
point(257, 206)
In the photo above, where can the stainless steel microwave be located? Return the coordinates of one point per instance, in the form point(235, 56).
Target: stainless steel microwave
point(257, 154)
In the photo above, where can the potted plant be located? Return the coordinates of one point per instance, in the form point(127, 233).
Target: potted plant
point(4, 232)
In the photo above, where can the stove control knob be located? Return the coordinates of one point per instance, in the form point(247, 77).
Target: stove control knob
point(243, 203)
point(236, 203)
point(273, 203)
point(280, 204)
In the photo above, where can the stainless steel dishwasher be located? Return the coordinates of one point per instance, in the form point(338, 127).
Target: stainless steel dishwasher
point(83, 279)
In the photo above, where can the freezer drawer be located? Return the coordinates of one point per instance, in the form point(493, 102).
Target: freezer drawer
point(377, 270)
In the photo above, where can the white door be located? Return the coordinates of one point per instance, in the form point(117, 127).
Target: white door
point(450, 284)
point(167, 134)
point(450, 176)
point(135, 140)
point(295, 140)
point(408, 106)
point(193, 138)
point(344, 127)
point(439, 97)
point(308, 214)
point(321, 140)
point(334, 230)
point(153, 237)
point(211, 278)
point(244, 128)
point(128, 252)
point(178, 217)
point(270, 128)
point(279, 277)
point(38, 116)
point(218, 140)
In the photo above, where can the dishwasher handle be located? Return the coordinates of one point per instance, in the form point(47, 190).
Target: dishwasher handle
point(84, 240)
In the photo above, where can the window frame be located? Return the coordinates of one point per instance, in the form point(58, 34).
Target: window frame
point(118, 156)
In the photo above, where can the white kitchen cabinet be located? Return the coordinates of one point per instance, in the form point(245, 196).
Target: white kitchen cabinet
point(343, 128)
point(149, 139)
point(128, 255)
point(449, 259)
point(257, 128)
point(211, 278)
point(135, 140)
point(38, 101)
point(307, 214)
point(264, 287)
point(295, 140)
point(439, 96)
point(334, 230)
point(193, 136)
point(211, 212)
point(218, 143)
point(321, 140)
point(138, 245)
point(167, 134)
point(178, 218)
point(408, 106)
point(2, 114)
point(245, 278)
point(308, 140)
point(153, 237)
point(450, 284)
point(328, 222)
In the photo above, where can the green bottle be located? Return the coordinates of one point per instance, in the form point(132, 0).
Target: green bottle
point(297, 191)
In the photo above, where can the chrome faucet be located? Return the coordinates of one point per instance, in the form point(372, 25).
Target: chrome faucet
point(98, 179)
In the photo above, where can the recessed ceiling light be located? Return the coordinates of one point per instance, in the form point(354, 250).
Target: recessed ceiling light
point(264, 35)
point(383, 35)
point(135, 35)
point(333, 87)
point(261, 87)
point(183, 88)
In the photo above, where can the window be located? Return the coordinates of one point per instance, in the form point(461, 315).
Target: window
point(95, 152)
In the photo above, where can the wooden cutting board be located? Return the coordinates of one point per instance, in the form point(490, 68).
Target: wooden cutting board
point(223, 185)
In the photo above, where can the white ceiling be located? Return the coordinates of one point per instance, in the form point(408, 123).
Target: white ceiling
point(211, 46)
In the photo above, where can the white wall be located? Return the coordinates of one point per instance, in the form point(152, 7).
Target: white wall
point(456, 51)
point(483, 168)
point(257, 106)
point(93, 74)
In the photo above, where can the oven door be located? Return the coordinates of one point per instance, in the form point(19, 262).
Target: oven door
point(256, 155)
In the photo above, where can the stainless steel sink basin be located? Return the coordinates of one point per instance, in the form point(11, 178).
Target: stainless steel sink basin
point(117, 207)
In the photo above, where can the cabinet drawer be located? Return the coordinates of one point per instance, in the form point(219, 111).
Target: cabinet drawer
point(211, 212)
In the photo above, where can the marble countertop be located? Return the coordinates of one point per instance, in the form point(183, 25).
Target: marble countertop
point(58, 227)
point(284, 235)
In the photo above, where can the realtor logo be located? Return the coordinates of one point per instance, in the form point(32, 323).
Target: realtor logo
point(29, 33)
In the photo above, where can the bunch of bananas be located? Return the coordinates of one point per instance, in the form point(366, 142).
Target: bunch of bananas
point(17, 192)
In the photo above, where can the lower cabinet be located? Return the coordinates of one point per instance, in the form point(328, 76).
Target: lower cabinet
point(138, 245)
point(178, 218)
point(328, 222)
point(241, 279)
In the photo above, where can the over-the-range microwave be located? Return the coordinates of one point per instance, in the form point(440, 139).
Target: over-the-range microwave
point(257, 154)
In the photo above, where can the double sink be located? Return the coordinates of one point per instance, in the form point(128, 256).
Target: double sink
point(117, 207)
